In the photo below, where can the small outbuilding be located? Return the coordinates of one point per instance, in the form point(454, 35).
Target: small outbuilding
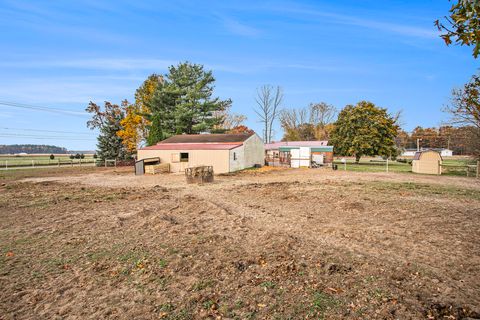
point(427, 162)
point(224, 152)
point(297, 154)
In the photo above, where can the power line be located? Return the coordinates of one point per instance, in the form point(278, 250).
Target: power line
point(38, 138)
point(39, 130)
point(27, 136)
point(41, 108)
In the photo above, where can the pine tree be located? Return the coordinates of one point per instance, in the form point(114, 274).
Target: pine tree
point(108, 121)
point(109, 144)
point(183, 103)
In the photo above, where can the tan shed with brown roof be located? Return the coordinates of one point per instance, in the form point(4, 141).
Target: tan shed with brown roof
point(224, 152)
point(427, 162)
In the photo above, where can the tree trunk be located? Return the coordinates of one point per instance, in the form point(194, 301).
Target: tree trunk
point(357, 158)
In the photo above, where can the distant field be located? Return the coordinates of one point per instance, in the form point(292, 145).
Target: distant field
point(41, 160)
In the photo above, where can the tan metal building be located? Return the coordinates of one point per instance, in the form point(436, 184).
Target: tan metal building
point(225, 152)
point(427, 162)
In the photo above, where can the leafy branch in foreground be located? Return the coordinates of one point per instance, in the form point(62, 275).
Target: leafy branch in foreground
point(463, 25)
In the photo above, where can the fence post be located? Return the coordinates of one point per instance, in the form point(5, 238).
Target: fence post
point(58, 162)
point(33, 164)
point(387, 164)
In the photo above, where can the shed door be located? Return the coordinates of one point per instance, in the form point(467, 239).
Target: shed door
point(139, 168)
point(318, 158)
point(295, 160)
point(305, 156)
point(184, 160)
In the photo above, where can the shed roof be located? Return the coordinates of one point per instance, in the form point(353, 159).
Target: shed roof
point(418, 154)
point(207, 138)
point(194, 146)
point(277, 145)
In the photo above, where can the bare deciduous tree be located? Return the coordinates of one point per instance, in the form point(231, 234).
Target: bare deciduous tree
point(233, 120)
point(268, 100)
point(465, 110)
point(314, 118)
point(322, 114)
point(228, 119)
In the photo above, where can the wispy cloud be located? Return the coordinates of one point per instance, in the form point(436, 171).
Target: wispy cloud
point(96, 64)
point(5, 114)
point(119, 64)
point(238, 28)
point(59, 90)
point(305, 12)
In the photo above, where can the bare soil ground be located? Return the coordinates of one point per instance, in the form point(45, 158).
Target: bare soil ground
point(280, 244)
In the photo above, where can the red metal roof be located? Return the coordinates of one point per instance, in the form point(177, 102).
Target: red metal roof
point(193, 146)
point(207, 138)
point(276, 145)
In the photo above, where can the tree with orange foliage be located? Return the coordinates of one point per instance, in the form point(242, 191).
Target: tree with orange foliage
point(241, 129)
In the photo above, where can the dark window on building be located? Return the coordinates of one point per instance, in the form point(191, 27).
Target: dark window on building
point(183, 156)
point(234, 156)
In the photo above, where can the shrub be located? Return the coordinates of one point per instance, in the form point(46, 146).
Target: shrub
point(52, 157)
point(82, 156)
point(72, 156)
point(95, 156)
point(77, 156)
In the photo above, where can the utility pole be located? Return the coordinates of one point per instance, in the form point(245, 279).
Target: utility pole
point(418, 144)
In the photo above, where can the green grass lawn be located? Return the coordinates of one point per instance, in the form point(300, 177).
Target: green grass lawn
point(365, 165)
point(376, 165)
point(455, 166)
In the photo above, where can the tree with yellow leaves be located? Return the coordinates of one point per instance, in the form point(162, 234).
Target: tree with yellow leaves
point(131, 124)
point(135, 124)
point(143, 97)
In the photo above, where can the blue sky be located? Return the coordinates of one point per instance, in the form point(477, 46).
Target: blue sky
point(62, 54)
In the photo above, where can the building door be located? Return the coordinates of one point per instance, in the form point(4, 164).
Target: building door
point(184, 160)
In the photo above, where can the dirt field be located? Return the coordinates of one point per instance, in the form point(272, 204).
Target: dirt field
point(285, 244)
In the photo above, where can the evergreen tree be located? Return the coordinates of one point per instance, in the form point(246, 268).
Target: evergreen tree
point(109, 144)
point(183, 103)
point(108, 121)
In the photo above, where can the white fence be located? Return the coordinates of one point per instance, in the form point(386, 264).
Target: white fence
point(18, 164)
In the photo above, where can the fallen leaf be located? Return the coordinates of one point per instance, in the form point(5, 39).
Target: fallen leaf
point(332, 290)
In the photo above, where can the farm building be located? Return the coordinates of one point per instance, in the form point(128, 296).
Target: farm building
point(298, 153)
point(427, 162)
point(225, 152)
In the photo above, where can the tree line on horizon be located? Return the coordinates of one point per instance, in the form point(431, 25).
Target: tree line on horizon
point(31, 148)
point(182, 102)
